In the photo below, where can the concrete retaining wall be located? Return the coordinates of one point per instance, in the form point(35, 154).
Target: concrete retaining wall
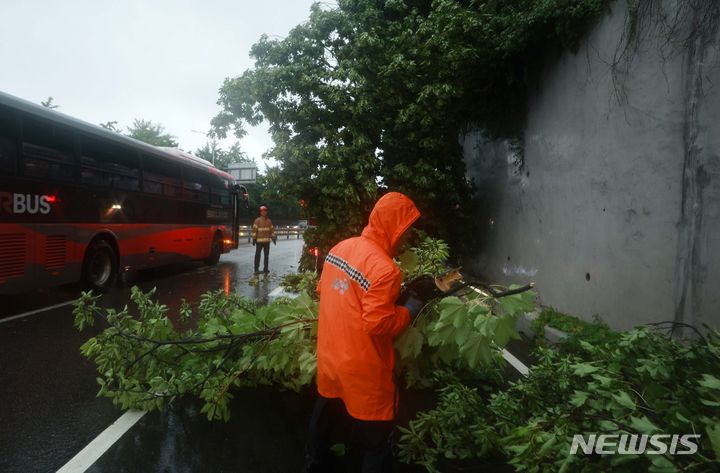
point(612, 207)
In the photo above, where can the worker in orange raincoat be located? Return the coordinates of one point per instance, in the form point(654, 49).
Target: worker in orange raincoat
point(358, 321)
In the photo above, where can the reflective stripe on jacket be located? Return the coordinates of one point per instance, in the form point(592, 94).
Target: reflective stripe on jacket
point(358, 317)
point(263, 230)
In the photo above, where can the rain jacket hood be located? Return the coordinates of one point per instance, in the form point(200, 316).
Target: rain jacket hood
point(392, 215)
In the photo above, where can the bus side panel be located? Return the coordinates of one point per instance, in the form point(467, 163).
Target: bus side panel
point(145, 246)
point(134, 251)
point(16, 266)
point(56, 259)
point(36, 256)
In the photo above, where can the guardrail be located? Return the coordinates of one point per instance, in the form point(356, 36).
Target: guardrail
point(287, 231)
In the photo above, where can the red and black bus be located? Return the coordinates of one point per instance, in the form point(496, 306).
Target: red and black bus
point(78, 202)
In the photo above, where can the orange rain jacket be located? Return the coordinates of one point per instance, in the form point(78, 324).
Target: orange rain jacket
point(358, 316)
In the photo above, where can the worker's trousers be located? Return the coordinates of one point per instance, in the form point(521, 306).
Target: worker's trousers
point(265, 248)
point(329, 417)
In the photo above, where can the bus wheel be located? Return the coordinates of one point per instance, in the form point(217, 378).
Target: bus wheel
point(215, 251)
point(100, 265)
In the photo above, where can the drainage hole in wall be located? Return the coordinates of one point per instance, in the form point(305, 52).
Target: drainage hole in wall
point(587, 276)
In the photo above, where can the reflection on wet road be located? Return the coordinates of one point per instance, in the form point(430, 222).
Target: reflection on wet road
point(48, 408)
point(187, 280)
point(266, 433)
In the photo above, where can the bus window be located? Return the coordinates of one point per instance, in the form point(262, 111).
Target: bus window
point(195, 184)
point(8, 142)
point(161, 177)
point(219, 191)
point(48, 150)
point(105, 164)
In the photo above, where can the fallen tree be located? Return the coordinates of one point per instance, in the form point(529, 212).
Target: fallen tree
point(147, 357)
point(637, 383)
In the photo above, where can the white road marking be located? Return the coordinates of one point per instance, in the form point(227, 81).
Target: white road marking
point(33, 312)
point(517, 364)
point(102, 443)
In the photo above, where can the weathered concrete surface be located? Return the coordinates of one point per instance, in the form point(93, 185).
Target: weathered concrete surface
point(614, 206)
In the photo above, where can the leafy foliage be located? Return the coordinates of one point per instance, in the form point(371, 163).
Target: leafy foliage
point(377, 92)
point(300, 282)
point(223, 158)
point(641, 383)
point(579, 331)
point(146, 360)
point(460, 333)
point(264, 192)
point(429, 256)
point(151, 133)
point(457, 426)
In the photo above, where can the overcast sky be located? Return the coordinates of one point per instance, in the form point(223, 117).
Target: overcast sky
point(160, 60)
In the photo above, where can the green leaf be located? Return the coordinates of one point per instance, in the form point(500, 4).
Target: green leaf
point(410, 343)
point(624, 400)
point(242, 326)
point(603, 380)
point(452, 311)
point(475, 350)
point(303, 301)
point(549, 443)
point(441, 335)
point(408, 261)
point(710, 381)
point(582, 369)
point(567, 461)
point(643, 425)
point(338, 449)
point(578, 398)
point(448, 353)
point(607, 425)
point(485, 324)
point(660, 464)
point(505, 330)
point(713, 432)
point(461, 336)
point(517, 304)
point(710, 403)
point(478, 310)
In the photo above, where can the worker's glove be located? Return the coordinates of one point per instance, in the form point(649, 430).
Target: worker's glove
point(414, 306)
point(253, 242)
point(274, 240)
point(417, 293)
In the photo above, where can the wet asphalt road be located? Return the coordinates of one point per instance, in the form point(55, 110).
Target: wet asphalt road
point(48, 408)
